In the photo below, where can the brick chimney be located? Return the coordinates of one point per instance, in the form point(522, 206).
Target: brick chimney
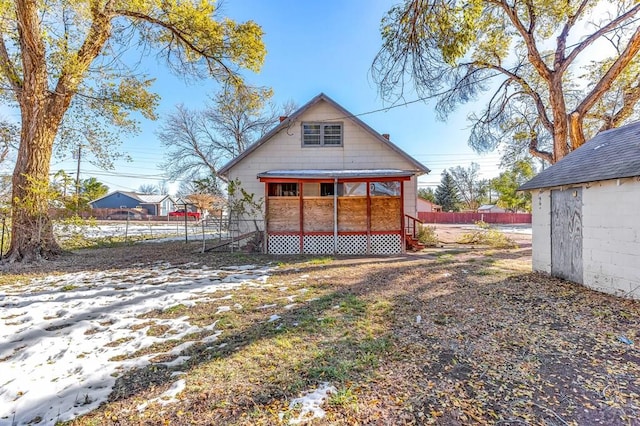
point(386, 136)
point(283, 117)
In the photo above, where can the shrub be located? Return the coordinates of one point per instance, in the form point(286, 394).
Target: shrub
point(427, 235)
point(487, 235)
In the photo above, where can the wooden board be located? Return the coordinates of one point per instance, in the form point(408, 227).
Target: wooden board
point(318, 214)
point(566, 234)
point(283, 214)
point(352, 214)
point(386, 214)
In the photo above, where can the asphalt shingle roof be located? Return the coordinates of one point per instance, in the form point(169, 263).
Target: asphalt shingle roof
point(611, 154)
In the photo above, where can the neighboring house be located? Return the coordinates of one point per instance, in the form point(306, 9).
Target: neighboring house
point(156, 205)
point(426, 206)
point(329, 183)
point(585, 214)
point(490, 208)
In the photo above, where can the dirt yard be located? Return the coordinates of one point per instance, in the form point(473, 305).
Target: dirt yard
point(447, 336)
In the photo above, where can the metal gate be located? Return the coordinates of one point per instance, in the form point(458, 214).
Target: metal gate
point(566, 234)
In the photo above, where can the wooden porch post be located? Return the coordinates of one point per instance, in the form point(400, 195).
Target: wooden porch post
point(402, 218)
point(368, 183)
point(300, 184)
point(266, 217)
point(335, 215)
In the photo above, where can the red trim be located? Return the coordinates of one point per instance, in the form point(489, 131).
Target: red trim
point(301, 207)
point(297, 234)
point(353, 179)
point(266, 214)
point(402, 214)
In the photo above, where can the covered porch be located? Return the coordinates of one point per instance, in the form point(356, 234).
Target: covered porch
point(353, 212)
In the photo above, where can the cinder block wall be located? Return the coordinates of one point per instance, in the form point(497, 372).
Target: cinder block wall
point(610, 232)
point(541, 231)
point(611, 236)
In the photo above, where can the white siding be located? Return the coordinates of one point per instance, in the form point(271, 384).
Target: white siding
point(611, 236)
point(541, 231)
point(360, 150)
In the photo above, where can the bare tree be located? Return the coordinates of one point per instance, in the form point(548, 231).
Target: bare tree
point(545, 100)
point(199, 141)
point(471, 188)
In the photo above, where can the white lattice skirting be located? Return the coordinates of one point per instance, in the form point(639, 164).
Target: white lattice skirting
point(284, 244)
point(347, 244)
point(352, 244)
point(386, 244)
point(318, 244)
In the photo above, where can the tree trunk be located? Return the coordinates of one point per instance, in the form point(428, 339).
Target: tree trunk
point(560, 122)
point(32, 235)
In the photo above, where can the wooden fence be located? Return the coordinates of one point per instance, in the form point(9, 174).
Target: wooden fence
point(470, 217)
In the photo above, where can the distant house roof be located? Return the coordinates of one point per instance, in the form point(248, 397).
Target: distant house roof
point(486, 207)
point(146, 198)
point(428, 201)
point(611, 154)
point(143, 198)
point(292, 118)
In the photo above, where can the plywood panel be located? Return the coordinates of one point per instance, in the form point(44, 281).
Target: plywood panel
point(352, 214)
point(318, 214)
point(385, 214)
point(283, 214)
point(566, 234)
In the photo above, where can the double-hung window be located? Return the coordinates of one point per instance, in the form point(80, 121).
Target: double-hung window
point(321, 134)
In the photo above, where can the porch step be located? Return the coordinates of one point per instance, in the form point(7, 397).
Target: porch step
point(412, 243)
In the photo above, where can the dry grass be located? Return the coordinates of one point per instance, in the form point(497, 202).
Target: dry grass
point(442, 337)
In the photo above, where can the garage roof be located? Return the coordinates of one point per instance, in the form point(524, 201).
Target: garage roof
point(611, 154)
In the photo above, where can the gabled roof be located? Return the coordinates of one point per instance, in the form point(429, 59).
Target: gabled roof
point(611, 154)
point(293, 117)
point(143, 198)
point(152, 199)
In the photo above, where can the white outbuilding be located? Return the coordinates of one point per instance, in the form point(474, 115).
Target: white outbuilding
point(586, 214)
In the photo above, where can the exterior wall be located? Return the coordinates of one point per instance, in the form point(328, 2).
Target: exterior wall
point(541, 231)
point(611, 236)
point(360, 150)
point(426, 206)
point(115, 201)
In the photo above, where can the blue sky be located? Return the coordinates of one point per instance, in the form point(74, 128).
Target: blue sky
point(312, 46)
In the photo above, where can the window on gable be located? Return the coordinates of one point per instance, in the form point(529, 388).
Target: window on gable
point(321, 134)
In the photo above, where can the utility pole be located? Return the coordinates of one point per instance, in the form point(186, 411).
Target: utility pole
point(78, 179)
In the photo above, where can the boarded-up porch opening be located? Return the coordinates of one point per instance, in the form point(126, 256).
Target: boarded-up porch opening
point(313, 212)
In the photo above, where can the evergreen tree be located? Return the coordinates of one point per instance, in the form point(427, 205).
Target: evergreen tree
point(447, 193)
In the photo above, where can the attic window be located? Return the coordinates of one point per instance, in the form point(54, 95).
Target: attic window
point(321, 134)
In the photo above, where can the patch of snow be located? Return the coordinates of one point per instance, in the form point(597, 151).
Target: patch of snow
point(273, 305)
point(60, 335)
point(167, 397)
point(310, 404)
point(273, 318)
point(222, 309)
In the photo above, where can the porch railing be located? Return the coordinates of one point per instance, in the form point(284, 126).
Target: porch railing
point(411, 225)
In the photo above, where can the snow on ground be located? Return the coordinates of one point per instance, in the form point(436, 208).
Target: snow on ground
point(59, 334)
point(310, 404)
point(155, 231)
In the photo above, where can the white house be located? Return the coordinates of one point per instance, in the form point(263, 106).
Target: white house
point(586, 221)
point(427, 206)
point(330, 183)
